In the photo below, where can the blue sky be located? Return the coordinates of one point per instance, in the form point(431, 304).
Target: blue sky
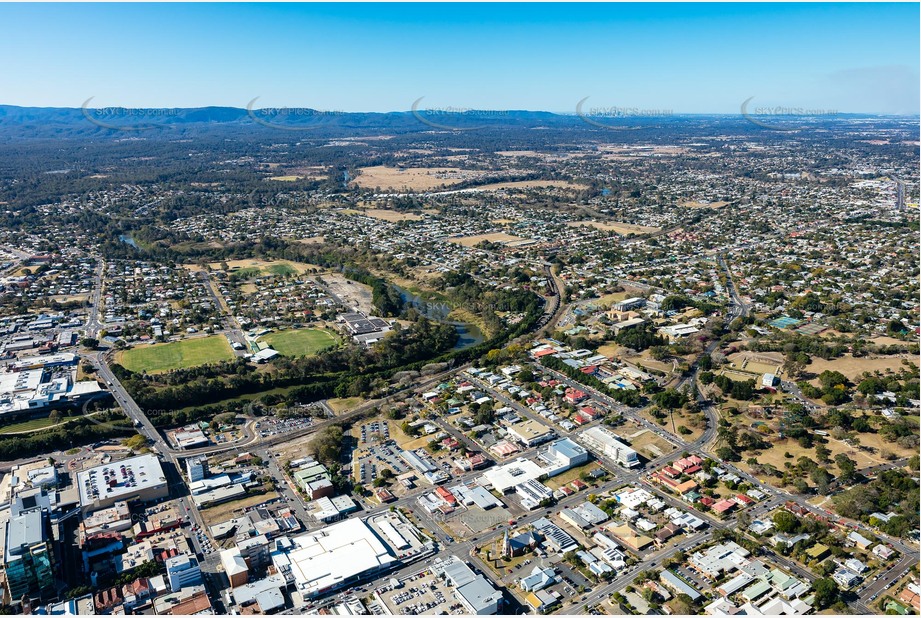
point(683, 58)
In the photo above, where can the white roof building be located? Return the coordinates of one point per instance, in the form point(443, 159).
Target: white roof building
point(332, 557)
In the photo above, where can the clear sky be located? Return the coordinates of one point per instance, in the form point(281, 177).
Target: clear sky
point(683, 58)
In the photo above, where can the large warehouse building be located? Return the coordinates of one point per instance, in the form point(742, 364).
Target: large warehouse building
point(137, 478)
point(333, 557)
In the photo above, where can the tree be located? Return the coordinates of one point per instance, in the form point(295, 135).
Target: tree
point(847, 468)
point(822, 453)
point(826, 592)
point(90, 342)
point(786, 522)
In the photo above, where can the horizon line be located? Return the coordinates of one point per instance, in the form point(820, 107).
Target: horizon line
point(465, 111)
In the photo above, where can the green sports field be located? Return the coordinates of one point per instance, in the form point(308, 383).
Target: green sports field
point(300, 342)
point(176, 355)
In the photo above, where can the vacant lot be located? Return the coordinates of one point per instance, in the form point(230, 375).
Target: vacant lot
point(350, 292)
point(339, 406)
point(769, 362)
point(223, 512)
point(412, 178)
point(852, 367)
point(498, 237)
point(704, 204)
point(313, 240)
point(177, 355)
point(620, 228)
point(255, 268)
point(651, 445)
point(300, 342)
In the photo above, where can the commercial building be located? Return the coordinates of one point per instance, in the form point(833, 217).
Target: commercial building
point(504, 478)
point(182, 571)
point(28, 560)
point(554, 536)
point(475, 592)
point(567, 453)
point(235, 567)
point(629, 304)
point(608, 445)
point(532, 493)
point(31, 390)
point(678, 585)
point(531, 433)
point(137, 478)
point(332, 557)
point(197, 468)
point(583, 516)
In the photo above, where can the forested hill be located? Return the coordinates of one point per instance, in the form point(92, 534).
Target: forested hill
point(172, 123)
point(65, 121)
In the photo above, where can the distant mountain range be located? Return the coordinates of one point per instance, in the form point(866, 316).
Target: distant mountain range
point(45, 119)
point(25, 122)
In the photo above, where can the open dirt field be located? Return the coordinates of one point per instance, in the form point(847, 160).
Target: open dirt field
point(518, 153)
point(620, 228)
point(285, 178)
point(499, 237)
point(883, 340)
point(703, 204)
point(611, 350)
point(530, 184)
point(384, 215)
point(79, 298)
point(258, 267)
point(223, 512)
point(350, 292)
point(649, 444)
point(759, 363)
point(313, 240)
point(609, 299)
point(344, 405)
point(412, 178)
point(680, 419)
point(294, 449)
point(852, 367)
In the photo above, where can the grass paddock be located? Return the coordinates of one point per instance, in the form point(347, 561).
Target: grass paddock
point(176, 355)
point(300, 342)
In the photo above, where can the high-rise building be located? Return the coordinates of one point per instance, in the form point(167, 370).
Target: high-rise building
point(28, 559)
point(197, 468)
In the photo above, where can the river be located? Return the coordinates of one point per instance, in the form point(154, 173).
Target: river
point(468, 334)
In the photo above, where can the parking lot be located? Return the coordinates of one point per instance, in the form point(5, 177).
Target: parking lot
point(272, 426)
point(376, 431)
point(372, 460)
point(423, 593)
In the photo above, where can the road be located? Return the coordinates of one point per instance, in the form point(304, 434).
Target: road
point(93, 325)
point(738, 308)
point(552, 311)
